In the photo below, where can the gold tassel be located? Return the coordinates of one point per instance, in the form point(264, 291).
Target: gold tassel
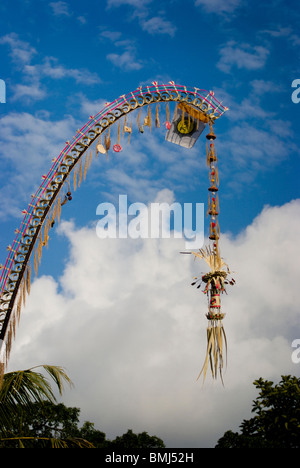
point(217, 175)
point(35, 263)
point(118, 140)
point(54, 212)
point(39, 248)
point(75, 179)
point(157, 124)
point(124, 125)
point(176, 112)
point(46, 230)
point(138, 118)
point(85, 167)
point(129, 132)
point(58, 208)
point(98, 142)
point(28, 278)
point(19, 306)
point(147, 120)
point(80, 174)
point(208, 206)
point(214, 350)
point(217, 204)
point(107, 142)
point(182, 116)
point(90, 160)
point(149, 117)
point(207, 156)
point(168, 112)
point(23, 286)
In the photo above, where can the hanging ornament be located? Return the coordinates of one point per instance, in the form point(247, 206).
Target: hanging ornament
point(216, 279)
point(117, 148)
point(99, 148)
point(157, 123)
point(187, 125)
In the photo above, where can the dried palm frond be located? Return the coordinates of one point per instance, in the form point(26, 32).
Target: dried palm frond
point(75, 180)
point(157, 123)
point(118, 139)
point(139, 118)
point(28, 278)
point(90, 160)
point(168, 112)
point(35, 263)
point(149, 118)
point(80, 174)
point(176, 112)
point(107, 142)
point(216, 350)
point(213, 259)
point(85, 167)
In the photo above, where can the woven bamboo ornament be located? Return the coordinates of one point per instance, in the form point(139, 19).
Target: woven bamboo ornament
point(54, 192)
point(215, 280)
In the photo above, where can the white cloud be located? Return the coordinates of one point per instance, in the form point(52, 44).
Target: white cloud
point(238, 55)
point(158, 25)
point(89, 107)
point(60, 8)
point(111, 35)
point(21, 51)
point(32, 91)
point(30, 85)
point(261, 87)
point(218, 6)
point(130, 330)
point(135, 3)
point(126, 61)
point(29, 144)
point(53, 69)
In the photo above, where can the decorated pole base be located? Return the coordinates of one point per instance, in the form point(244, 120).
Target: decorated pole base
point(215, 316)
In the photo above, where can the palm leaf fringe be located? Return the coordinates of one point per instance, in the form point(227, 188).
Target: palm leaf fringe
point(216, 351)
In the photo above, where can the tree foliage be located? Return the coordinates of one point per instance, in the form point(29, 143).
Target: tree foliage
point(276, 423)
point(31, 418)
point(131, 440)
point(47, 422)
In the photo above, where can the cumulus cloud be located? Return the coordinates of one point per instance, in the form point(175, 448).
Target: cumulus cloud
point(126, 60)
point(242, 56)
point(21, 51)
point(138, 4)
point(60, 8)
point(30, 85)
point(30, 142)
point(130, 330)
point(158, 25)
point(218, 6)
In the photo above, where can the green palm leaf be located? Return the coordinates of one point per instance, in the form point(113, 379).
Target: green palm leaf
point(22, 388)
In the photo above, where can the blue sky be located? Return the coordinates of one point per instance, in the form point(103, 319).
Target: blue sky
point(61, 61)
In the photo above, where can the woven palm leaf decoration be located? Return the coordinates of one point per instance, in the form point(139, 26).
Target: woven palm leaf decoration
point(217, 278)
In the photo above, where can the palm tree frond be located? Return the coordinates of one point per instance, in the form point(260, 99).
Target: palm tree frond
point(20, 389)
